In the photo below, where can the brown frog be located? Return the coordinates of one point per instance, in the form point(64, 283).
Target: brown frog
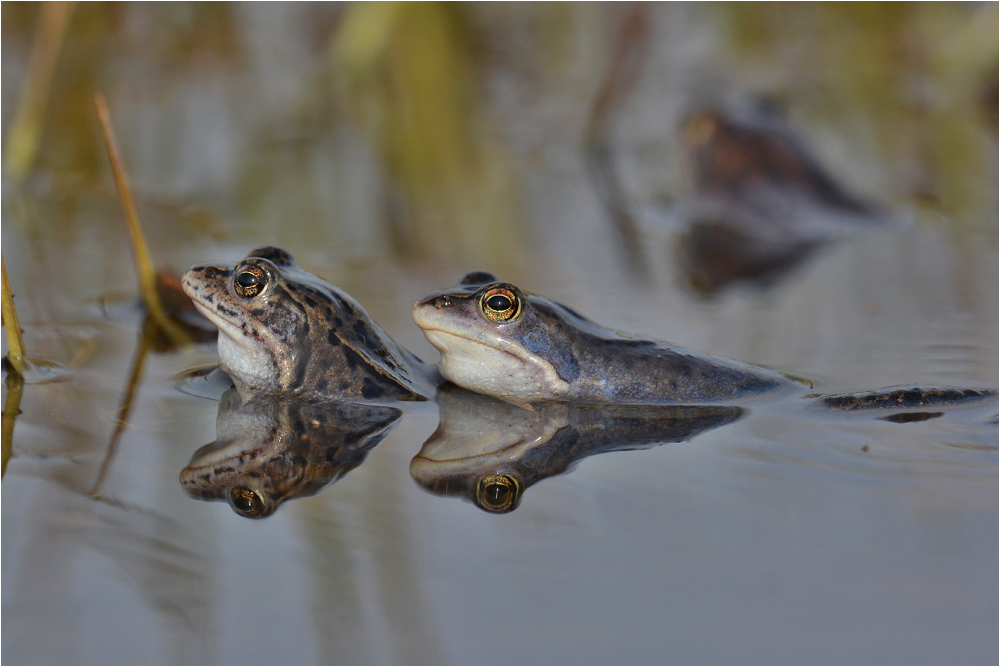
point(285, 332)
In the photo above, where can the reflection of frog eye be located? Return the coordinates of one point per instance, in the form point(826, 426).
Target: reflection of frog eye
point(498, 493)
point(246, 502)
point(250, 281)
point(500, 304)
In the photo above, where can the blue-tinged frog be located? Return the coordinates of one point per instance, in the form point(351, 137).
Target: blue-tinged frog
point(285, 332)
point(523, 348)
point(500, 341)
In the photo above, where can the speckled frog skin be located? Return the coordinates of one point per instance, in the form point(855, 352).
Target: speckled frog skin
point(284, 332)
point(498, 340)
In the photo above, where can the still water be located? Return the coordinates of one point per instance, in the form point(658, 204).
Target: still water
point(580, 167)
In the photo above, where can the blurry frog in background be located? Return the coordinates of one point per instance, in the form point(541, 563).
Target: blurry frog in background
point(761, 204)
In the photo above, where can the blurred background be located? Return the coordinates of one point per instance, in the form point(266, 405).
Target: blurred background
point(812, 187)
point(544, 142)
point(443, 132)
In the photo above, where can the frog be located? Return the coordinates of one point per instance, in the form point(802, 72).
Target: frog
point(523, 348)
point(490, 451)
point(286, 332)
point(498, 340)
point(761, 204)
point(272, 449)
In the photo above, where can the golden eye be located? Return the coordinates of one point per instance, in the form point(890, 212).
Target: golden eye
point(246, 502)
point(250, 281)
point(500, 304)
point(498, 493)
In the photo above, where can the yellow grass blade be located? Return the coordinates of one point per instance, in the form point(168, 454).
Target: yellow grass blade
point(14, 341)
point(26, 131)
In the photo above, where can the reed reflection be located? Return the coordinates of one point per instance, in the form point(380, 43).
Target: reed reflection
point(270, 450)
point(490, 452)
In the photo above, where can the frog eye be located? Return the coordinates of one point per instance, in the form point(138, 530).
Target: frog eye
point(500, 304)
point(250, 281)
point(498, 493)
point(246, 502)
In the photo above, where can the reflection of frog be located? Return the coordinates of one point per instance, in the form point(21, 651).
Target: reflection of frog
point(500, 341)
point(490, 452)
point(283, 331)
point(523, 348)
point(270, 450)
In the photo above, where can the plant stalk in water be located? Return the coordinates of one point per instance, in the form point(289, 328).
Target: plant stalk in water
point(11, 409)
point(14, 341)
point(144, 269)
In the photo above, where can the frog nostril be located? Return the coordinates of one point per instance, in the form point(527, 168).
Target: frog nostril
point(209, 272)
point(446, 301)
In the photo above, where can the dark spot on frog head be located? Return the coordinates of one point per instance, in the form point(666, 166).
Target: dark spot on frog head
point(257, 313)
point(478, 278)
point(309, 302)
point(332, 337)
point(279, 256)
point(213, 272)
point(321, 384)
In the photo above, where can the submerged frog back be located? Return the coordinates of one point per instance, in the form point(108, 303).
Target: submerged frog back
point(283, 331)
point(500, 341)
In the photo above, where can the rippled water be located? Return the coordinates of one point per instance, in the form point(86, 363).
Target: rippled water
point(787, 534)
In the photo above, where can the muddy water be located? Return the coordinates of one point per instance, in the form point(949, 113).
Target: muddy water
point(786, 535)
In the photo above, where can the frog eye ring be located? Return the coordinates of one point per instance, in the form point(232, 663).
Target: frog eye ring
point(246, 502)
point(250, 281)
point(498, 493)
point(500, 304)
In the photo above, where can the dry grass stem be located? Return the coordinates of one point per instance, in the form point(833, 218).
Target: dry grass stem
point(11, 409)
point(144, 269)
point(15, 343)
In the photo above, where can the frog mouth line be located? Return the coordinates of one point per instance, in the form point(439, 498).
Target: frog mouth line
point(226, 326)
point(479, 341)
